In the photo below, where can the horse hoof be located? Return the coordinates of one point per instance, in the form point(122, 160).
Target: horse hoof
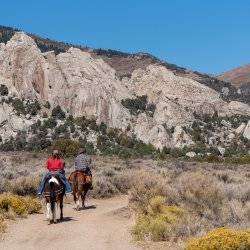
point(55, 221)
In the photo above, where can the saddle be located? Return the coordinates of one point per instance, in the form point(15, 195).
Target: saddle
point(81, 177)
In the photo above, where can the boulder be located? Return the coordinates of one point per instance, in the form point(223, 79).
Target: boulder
point(221, 150)
point(240, 129)
point(180, 138)
point(246, 132)
point(226, 123)
point(28, 116)
point(231, 136)
point(191, 154)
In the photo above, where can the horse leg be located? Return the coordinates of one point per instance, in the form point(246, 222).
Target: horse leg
point(54, 213)
point(48, 215)
point(74, 193)
point(83, 195)
point(61, 208)
point(78, 195)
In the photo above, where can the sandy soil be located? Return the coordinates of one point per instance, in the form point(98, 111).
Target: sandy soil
point(104, 225)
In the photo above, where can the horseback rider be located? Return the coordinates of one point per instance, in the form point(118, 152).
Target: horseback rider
point(82, 163)
point(55, 165)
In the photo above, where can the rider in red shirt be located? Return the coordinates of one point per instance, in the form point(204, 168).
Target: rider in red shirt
point(55, 165)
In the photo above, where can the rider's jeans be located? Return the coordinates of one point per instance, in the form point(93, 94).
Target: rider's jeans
point(62, 176)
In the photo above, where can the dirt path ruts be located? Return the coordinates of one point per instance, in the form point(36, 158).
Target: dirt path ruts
point(103, 226)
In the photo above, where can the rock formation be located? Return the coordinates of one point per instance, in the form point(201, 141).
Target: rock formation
point(83, 84)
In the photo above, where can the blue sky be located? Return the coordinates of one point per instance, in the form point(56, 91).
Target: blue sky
point(210, 36)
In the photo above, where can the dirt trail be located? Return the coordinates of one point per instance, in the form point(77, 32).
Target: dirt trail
point(103, 226)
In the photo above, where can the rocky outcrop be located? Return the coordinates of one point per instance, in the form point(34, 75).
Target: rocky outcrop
point(191, 154)
point(83, 84)
point(11, 123)
point(240, 129)
point(181, 138)
point(246, 132)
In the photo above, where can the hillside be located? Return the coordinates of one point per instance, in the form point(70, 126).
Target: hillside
point(238, 77)
point(139, 95)
point(125, 63)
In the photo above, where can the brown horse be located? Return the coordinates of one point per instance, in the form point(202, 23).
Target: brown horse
point(80, 183)
point(53, 192)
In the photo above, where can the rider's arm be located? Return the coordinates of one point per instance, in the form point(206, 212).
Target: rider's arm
point(47, 164)
point(90, 160)
point(63, 165)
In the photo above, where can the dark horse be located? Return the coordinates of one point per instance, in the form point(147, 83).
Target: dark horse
point(80, 183)
point(53, 192)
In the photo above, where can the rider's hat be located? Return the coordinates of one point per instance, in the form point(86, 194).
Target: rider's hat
point(55, 152)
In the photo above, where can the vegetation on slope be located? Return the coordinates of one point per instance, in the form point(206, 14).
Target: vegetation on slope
point(139, 105)
point(200, 200)
point(222, 238)
point(12, 206)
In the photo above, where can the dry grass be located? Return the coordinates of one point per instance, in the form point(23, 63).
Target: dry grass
point(12, 206)
point(19, 205)
point(157, 221)
point(3, 225)
point(213, 195)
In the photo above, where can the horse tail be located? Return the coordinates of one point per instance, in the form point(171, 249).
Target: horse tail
point(52, 195)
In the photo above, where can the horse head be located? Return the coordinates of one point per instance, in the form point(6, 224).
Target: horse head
point(53, 179)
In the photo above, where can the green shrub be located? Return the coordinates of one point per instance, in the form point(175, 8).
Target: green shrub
point(47, 105)
point(62, 129)
point(177, 152)
point(66, 147)
point(142, 148)
point(18, 106)
point(57, 112)
point(245, 159)
point(146, 185)
point(92, 125)
point(112, 133)
point(38, 142)
point(82, 122)
point(32, 108)
point(139, 105)
point(103, 128)
point(201, 194)
point(222, 239)
point(124, 154)
point(213, 158)
point(25, 185)
point(19, 205)
point(8, 145)
point(50, 123)
point(156, 222)
point(4, 90)
point(104, 188)
point(90, 149)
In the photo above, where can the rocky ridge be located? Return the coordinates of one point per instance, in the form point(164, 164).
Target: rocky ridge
point(85, 84)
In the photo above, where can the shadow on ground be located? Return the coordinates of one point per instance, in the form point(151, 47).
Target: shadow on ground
point(86, 207)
